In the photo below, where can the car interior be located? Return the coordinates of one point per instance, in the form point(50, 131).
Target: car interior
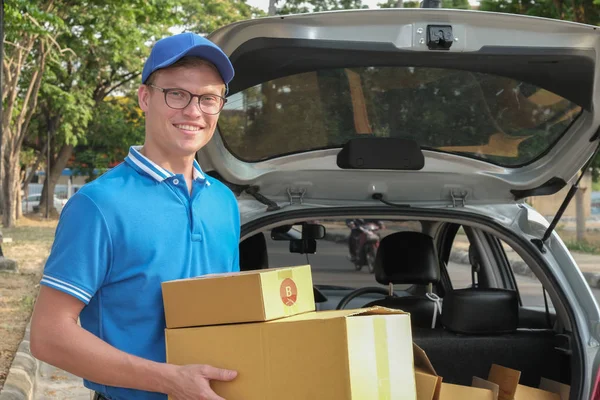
point(464, 324)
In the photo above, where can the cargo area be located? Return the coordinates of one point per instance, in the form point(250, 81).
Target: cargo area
point(457, 340)
point(464, 323)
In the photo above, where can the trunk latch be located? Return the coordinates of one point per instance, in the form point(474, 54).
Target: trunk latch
point(439, 37)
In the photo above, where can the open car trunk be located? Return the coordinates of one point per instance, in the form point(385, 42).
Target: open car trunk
point(502, 110)
point(443, 114)
point(541, 344)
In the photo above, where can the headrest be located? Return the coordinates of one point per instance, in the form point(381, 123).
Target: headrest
point(480, 311)
point(407, 258)
point(253, 253)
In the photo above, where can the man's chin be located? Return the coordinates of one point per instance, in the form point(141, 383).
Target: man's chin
point(187, 149)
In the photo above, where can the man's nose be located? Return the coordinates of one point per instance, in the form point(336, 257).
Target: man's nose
point(193, 109)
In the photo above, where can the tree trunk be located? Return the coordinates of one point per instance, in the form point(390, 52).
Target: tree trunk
point(10, 184)
point(36, 165)
point(57, 166)
point(20, 188)
point(14, 129)
point(559, 8)
point(272, 9)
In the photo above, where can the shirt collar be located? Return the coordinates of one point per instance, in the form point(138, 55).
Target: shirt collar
point(155, 171)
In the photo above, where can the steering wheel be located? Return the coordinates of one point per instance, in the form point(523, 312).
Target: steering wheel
point(359, 292)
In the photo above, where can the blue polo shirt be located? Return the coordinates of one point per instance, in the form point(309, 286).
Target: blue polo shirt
point(123, 234)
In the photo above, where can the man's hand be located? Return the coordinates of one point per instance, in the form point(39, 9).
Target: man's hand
point(192, 382)
point(57, 339)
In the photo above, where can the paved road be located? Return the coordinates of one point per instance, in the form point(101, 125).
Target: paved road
point(330, 266)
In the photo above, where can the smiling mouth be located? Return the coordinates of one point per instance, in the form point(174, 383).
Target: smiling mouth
point(191, 128)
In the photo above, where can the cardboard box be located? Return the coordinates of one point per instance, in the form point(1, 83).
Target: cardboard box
point(507, 380)
point(430, 385)
point(250, 296)
point(346, 354)
point(502, 384)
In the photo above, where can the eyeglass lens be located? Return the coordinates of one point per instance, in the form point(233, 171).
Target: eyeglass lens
point(180, 99)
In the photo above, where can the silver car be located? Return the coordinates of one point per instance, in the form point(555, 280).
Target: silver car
point(441, 123)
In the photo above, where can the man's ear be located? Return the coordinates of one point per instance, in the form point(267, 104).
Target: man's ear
point(143, 97)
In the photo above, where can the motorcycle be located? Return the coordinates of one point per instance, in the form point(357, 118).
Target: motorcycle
point(366, 245)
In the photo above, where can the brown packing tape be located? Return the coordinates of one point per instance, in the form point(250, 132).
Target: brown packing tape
point(382, 358)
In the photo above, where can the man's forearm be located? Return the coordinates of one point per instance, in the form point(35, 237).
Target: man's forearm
point(71, 348)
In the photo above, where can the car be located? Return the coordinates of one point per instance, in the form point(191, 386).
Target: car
point(32, 203)
point(440, 123)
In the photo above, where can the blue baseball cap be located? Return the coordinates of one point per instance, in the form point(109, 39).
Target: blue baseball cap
point(170, 49)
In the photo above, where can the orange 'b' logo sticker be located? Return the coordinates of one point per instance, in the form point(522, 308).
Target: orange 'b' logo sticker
point(288, 292)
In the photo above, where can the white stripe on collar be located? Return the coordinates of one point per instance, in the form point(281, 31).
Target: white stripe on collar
point(155, 170)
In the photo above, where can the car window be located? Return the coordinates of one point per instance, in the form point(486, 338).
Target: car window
point(484, 116)
point(459, 266)
point(332, 264)
point(529, 286)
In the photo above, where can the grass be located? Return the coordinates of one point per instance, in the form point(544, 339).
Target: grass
point(27, 303)
point(590, 244)
point(582, 247)
point(596, 186)
point(31, 243)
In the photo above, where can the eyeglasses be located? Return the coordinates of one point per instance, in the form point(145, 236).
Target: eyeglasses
point(180, 98)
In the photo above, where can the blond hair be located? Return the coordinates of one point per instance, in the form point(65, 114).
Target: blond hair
point(184, 62)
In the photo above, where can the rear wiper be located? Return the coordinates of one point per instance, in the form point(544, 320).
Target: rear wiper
point(540, 242)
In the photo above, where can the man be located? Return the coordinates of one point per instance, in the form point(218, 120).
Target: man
point(155, 217)
point(354, 239)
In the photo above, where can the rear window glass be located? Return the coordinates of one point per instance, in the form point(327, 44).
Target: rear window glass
point(496, 119)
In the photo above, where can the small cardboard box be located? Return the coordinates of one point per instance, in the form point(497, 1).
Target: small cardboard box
point(334, 355)
point(507, 380)
point(431, 387)
point(250, 296)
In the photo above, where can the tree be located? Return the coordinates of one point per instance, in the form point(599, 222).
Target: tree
point(32, 30)
point(111, 41)
point(206, 16)
point(584, 11)
point(117, 124)
point(107, 38)
point(459, 4)
point(302, 6)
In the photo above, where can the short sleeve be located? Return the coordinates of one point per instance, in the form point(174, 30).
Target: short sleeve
point(81, 254)
point(236, 248)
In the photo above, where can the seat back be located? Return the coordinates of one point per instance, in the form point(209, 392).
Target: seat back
point(476, 311)
point(409, 258)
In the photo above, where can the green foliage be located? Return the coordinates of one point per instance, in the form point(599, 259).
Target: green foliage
point(206, 16)
point(303, 6)
point(394, 4)
point(584, 11)
point(117, 124)
point(582, 247)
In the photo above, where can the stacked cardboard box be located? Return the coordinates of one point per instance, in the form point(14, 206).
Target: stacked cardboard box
point(502, 384)
point(263, 324)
